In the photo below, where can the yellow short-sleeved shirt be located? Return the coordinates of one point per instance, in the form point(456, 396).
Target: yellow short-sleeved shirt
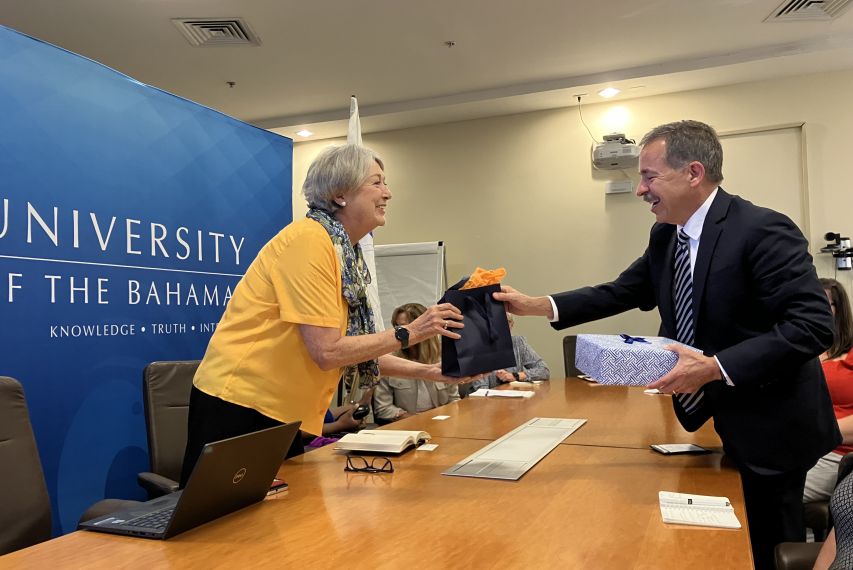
point(256, 357)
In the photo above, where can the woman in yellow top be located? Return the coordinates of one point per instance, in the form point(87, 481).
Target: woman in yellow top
point(300, 317)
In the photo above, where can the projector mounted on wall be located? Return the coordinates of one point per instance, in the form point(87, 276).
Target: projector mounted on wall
point(615, 153)
point(840, 249)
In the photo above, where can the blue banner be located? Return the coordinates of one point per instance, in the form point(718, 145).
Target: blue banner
point(127, 217)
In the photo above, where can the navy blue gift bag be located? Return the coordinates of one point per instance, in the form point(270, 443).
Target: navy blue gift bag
point(486, 343)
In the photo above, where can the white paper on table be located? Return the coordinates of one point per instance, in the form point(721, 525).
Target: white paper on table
point(524, 384)
point(488, 393)
point(699, 510)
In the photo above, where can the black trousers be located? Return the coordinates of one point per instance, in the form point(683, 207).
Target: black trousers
point(774, 506)
point(212, 419)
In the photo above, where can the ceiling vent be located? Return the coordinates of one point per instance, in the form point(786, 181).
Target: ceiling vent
point(808, 10)
point(204, 32)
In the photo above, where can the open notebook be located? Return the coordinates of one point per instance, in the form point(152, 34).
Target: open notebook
point(382, 440)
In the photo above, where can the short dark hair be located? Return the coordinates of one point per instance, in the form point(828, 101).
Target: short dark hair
point(842, 339)
point(687, 141)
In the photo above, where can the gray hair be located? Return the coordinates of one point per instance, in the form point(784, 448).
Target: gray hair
point(687, 141)
point(335, 171)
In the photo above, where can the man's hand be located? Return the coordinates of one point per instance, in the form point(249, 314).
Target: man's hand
point(518, 303)
point(692, 371)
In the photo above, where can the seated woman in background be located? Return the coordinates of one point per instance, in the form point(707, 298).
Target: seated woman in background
point(398, 398)
point(838, 369)
point(529, 366)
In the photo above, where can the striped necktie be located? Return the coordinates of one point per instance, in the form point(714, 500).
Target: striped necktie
point(683, 295)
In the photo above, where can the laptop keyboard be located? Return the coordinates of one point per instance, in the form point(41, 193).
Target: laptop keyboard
point(156, 520)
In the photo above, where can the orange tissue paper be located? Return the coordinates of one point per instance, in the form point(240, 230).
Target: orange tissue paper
point(483, 277)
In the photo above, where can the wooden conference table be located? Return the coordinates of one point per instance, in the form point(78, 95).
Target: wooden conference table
point(591, 503)
point(618, 416)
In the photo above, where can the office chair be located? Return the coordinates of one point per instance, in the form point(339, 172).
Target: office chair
point(802, 555)
point(816, 517)
point(25, 516)
point(569, 343)
point(166, 395)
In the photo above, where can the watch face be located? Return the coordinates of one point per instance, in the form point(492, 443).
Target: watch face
point(402, 334)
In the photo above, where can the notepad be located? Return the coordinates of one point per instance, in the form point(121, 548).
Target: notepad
point(699, 510)
point(487, 393)
point(382, 440)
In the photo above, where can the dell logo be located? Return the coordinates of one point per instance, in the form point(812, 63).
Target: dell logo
point(238, 476)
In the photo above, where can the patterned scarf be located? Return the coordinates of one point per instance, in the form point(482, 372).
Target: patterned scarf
point(354, 280)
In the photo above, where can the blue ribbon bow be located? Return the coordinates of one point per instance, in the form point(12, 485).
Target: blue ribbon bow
point(628, 339)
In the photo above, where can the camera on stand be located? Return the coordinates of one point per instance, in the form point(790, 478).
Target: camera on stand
point(840, 249)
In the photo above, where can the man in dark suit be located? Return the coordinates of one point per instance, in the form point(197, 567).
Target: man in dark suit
point(756, 309)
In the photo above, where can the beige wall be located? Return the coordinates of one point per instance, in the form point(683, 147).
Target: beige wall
point(519, 191)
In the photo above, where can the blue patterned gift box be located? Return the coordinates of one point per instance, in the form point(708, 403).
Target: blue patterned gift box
point(624, 360)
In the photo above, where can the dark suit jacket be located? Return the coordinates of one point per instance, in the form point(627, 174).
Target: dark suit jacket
point(758, 307)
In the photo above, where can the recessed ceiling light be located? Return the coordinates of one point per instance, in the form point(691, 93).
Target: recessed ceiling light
point(609, 92)
point(304, 133)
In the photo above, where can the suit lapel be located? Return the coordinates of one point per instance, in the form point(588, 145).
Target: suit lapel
point(711, 231)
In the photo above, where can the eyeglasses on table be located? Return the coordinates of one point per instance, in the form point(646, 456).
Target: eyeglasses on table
point(361, 464)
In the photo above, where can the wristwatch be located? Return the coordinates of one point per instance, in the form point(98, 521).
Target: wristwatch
point(402, 334)
point(517, 376)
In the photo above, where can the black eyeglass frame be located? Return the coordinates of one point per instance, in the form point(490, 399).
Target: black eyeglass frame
point(369, 464)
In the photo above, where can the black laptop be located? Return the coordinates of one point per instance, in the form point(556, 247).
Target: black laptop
point(230, 474)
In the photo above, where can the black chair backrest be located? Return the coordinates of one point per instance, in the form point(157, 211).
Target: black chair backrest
point(569, 355)
point(24, 502)
point(845, 467)
point(166, 394)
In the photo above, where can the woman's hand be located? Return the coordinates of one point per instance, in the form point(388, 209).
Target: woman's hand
point(504, 376)
point(432, 373)
point(440, 319)
point(345, 422)
point(397, 367)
